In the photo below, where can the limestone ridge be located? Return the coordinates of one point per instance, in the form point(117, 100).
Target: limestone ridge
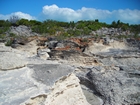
point(39, 70)
point(22, 30)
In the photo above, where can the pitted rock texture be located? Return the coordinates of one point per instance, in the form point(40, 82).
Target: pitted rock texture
point(109, 73)
point(112, 84)
point(17, 86)
point(40, 84)
point(22, 31)
point(66, 91)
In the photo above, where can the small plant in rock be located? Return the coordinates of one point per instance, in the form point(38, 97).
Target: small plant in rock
point(12, 35)
point(62, 36)
point(9, 42)
point(136, 36)
point(122, 36)
point(85, 40)
point(2, 36)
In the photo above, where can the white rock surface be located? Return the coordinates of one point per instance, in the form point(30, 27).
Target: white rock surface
point(30, 48)
point(10, 58)
point(66, 91)
point(35, 83)
point(16, 86)
point(114, 46)
point(22, 31)
point(43, 53)
point(111, 78)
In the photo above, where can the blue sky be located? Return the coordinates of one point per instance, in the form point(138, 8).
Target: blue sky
point(127, 11)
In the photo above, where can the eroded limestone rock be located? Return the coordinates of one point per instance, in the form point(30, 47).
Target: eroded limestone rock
point(66, 91)
point(10, 59)
point(41, 85)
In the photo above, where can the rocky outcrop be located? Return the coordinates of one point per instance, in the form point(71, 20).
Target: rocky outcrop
point(10, 59)
point(29, 48)
point(43, 53)
point(41, 84)
point(112, 85)
point(76, 71)
point(116, 81)
point(66, 91)
point(22, 31)
point(73, 57)
point(111, 31)
point(112, 46)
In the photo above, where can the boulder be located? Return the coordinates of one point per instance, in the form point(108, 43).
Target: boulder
point(60, 45)
point(43, 53)
point(22, 31)
point(51, 44)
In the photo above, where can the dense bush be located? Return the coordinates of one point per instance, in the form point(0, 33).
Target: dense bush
point(52, 27)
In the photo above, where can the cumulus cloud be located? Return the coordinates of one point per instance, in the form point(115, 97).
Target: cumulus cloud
point(19, 14)
point(68, 14)
point(127, 15)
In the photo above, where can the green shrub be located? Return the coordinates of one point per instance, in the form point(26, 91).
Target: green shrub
point(12, 35)
point(8, 43)
point(136, 36)
point(2, 36)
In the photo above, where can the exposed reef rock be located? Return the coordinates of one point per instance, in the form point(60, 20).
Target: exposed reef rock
point(75, 71)
point(9, 59)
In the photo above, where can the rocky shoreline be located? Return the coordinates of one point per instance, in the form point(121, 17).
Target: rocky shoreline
point(74, 71)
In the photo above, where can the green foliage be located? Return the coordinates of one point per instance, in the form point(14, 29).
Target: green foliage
point(8, 43)
point(4, 23)
point(4, 26)
point(122, 36)
point(3, 29)
point(96, 20)
point(12, 35)
point(135, 28)
point(136, 36)
point(2, 36)
point(23, 22)
point(66, 29)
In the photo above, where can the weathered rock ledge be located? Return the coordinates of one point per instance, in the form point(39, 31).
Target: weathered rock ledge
point(70, 73)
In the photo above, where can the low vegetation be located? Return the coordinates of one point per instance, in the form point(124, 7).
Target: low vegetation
point(65, 29)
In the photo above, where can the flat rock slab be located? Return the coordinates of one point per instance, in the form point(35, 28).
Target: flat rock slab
point(49, 73)
point(16, 86)
point(10, 60)
point(19, 85)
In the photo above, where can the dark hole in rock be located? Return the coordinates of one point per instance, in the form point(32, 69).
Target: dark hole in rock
point(21, 43)
point(95, 61)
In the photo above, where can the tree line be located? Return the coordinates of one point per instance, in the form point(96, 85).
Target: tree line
point(66, 28)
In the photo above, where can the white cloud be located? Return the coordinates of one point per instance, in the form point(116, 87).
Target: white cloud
point(127, 15)
point(19, 14)
point(68, 14)
point(54, 12)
